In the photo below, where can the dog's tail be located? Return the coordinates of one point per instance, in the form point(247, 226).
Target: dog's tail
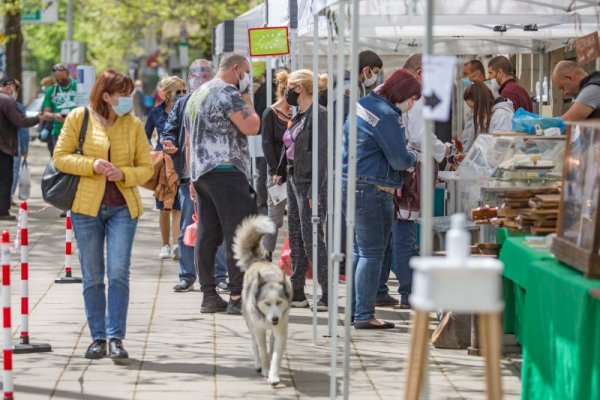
point(247, 246)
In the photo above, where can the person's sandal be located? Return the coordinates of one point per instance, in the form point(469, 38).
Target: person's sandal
point(370, 325)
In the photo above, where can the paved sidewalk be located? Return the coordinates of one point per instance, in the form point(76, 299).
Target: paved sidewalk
point(178, 353)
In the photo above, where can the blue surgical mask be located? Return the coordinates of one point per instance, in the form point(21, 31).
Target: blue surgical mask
point(124, 106)
point(466, 82)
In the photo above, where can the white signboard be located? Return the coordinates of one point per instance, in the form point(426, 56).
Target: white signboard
point(86, 77)
point(438, 77)
point(72, 52)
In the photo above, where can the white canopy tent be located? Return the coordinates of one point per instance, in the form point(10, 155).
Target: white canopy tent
point(461, 27)
point(464, 26)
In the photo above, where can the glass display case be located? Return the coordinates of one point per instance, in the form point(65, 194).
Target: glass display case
point(578, 237)
point(497, 163)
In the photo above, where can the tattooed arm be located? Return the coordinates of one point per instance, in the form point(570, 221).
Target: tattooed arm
point(243, 115)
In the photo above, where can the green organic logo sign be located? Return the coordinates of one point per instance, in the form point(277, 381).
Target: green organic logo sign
point(268, 41)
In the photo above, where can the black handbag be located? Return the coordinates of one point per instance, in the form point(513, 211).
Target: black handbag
point(59, 188)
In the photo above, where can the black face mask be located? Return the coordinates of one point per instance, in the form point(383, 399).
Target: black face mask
point(291, 96)
point(64, 82)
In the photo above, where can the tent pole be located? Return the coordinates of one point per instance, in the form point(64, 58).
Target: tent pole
point(337, 256)
point(541, 78)
point(351, 193)
point(300, 53)
point(315, 172)
point(252, 139)
point(332, 289)
point(426, 242)
point(269, 81)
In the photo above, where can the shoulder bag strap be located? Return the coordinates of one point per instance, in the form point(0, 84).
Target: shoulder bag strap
point(83, 131)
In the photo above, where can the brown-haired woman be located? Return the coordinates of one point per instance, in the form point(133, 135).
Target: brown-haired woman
point(274, 124)
point(115, 160)
point(489, 115)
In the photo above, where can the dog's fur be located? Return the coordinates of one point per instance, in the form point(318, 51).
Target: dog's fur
point(266, 296)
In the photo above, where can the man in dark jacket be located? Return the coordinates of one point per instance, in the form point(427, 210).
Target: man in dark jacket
point(10, 120)
point(584, 88)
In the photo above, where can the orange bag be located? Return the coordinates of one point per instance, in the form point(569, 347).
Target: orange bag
point(285, 260)
point(191, 231)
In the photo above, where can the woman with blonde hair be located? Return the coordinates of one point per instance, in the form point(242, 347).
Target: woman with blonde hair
point(172, 88)
point(115, 160)
point(274, 124)
point(298, 142)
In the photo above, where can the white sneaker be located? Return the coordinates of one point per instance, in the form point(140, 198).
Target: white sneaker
point(175, 252)
point(165, 252)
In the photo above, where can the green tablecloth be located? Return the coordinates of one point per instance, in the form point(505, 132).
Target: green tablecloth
point(556, 321)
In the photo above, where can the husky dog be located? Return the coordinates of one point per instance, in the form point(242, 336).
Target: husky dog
point(266, 296)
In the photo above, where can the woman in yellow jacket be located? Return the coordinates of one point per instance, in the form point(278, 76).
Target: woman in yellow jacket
point(115, 160)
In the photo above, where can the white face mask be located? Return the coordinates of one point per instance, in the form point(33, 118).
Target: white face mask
point(405, 106)
point(368, 82)
point(244, 83)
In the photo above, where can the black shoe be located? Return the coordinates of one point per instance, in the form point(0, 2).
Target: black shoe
point(96, 350)
point(370, 325)
point(234, 307)
point(299, 299)
point(323, 303)
point(212, 304)
point(386, 301)
point(63, 214)
point(183, 286)
point(116, 349)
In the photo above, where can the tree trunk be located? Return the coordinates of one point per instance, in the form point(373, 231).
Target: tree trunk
point(14, 45)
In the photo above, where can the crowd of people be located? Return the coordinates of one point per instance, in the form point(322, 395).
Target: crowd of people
point(202, 128)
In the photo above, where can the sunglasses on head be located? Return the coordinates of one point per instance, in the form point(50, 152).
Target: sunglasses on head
point(59, 68)
point(197, 70)
point(178, 92)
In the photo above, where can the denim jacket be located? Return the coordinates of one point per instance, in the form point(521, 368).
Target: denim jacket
point(174, 131)
point(381, 143)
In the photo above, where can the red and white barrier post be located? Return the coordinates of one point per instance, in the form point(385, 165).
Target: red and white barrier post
point(68, 278)
point(6, 321)
point(25, 346)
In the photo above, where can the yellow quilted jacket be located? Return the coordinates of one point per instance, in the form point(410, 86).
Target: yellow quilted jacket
point(128, 147)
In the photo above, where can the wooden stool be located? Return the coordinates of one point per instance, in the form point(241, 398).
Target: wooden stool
point(474, 288)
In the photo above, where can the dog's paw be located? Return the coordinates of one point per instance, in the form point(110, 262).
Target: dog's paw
point(273, 380)
point(258, 370)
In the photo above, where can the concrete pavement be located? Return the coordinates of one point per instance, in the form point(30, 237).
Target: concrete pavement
point(178, 353)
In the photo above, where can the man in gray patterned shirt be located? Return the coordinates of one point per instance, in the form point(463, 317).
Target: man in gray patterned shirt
point(218, 118)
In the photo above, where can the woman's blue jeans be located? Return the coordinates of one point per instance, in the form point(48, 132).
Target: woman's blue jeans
point(373, 224)
point(106, 315)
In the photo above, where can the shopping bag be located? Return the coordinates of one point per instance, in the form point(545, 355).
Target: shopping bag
point(524, 121)
point(191, 231)
point(285, 260)
point(24, 182)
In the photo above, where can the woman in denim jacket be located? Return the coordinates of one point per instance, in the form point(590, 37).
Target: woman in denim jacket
point(382, 155)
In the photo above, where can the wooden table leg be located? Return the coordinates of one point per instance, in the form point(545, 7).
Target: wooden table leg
point(417, 360)
point(491, 346)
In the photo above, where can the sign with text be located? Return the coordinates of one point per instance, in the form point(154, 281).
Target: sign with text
point(44, 12)
point(438, 79)
point(587, 48)
point(264, 42)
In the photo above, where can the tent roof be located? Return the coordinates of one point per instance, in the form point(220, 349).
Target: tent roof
point(466, 26)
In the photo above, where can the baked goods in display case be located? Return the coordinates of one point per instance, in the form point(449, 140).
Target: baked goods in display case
point(578, 236)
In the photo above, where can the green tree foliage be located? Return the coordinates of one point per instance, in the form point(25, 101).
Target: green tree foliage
point(113, 30)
